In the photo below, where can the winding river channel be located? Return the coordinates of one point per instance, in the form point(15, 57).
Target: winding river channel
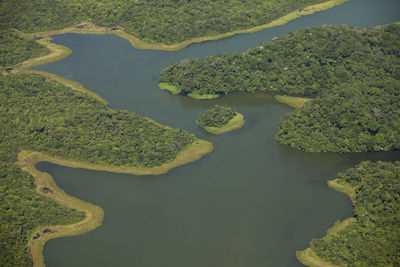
point(250, 203)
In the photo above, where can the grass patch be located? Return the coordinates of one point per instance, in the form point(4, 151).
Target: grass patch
point(342, 188)
point(94, 214)
point(169, 87)
point(308, 256)
point(90, 28)
point(73, 84)
point(58, 52)
point(294, 102)
point(205, 96)
point(191, 153)
point(234, 124)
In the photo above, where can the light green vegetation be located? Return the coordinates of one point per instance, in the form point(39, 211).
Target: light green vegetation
point(204, 96)
point(356, 101)
point(235, 123)
point(293, 101)
point(51, 122)
point(163, 25)
point(189, 154)
point(344, 188)
point(372, 238)
point(171, 88)
point(220, 119)
point(25, 209)
point(46, 186)
point(309, 258)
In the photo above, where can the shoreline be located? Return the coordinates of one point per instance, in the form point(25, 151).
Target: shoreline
point(292, 101)
point(191, 153)
point(90, 28)
point(235, 123)
point(94, 214)
point(308, 256)
point(57, 52)
point(46, 186)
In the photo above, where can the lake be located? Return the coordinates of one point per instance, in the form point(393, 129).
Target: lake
point(251, 202)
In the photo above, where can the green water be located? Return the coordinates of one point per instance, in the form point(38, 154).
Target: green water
point(252, 202)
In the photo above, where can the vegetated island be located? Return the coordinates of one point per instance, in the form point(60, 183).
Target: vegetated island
point(162, 25)
point(355, 100)
point(220, 119)
point(42, 119)
point(372, 237)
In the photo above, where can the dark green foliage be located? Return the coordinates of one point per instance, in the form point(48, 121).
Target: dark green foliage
point(216, 116)
point(22, 209)
point(302, 63)
point(355, 73)
point(48, 117)
point(354, 118)
point(167, 21)
point(42, 115)
point(374, 239)
point(15, 49)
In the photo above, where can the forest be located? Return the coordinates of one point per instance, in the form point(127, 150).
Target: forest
point(48, 117)
point(217, 116)
point(39, 114)
point(353, 74)
point(374, 239)
point(21, 208)
point(167, 21)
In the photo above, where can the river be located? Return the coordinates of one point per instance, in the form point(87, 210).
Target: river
point(251, 202)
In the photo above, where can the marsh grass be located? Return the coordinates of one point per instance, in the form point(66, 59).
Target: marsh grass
point(235, 123)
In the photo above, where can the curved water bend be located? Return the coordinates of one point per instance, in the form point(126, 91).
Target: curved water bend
point(251, 202)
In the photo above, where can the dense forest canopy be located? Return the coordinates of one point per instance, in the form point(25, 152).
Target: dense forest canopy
point(49, 117)
point(374, 239)
point(21, 208)
point(354, 72)
point(167, 21)
point(354, 118)
point(301, 63)
point(41, 115)
point(16, 47)
point(217, 116)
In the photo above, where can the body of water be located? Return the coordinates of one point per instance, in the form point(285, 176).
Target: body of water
point(251, 202)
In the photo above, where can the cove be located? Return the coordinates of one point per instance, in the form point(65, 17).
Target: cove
point(252, 202)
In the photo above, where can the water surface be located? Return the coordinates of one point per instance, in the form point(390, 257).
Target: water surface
point(252, 202)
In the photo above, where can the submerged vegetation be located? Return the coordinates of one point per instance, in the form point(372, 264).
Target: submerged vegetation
point(374, 238)
point(220, 119)
point(354, 73)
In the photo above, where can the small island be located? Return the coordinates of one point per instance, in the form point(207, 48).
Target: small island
point(220, 119)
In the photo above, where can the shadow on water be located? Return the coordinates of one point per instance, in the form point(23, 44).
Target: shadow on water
point(252, 202)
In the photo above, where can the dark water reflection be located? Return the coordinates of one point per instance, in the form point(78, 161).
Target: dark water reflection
point(252, 202)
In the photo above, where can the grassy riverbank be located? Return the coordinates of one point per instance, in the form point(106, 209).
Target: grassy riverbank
point(46, 186)
point(235, 123)
point(308, 256)
point(57, 52)
point(90, 28)
point(189, 154)
point(137, 43)
point(293, 101)
point(372, 239)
